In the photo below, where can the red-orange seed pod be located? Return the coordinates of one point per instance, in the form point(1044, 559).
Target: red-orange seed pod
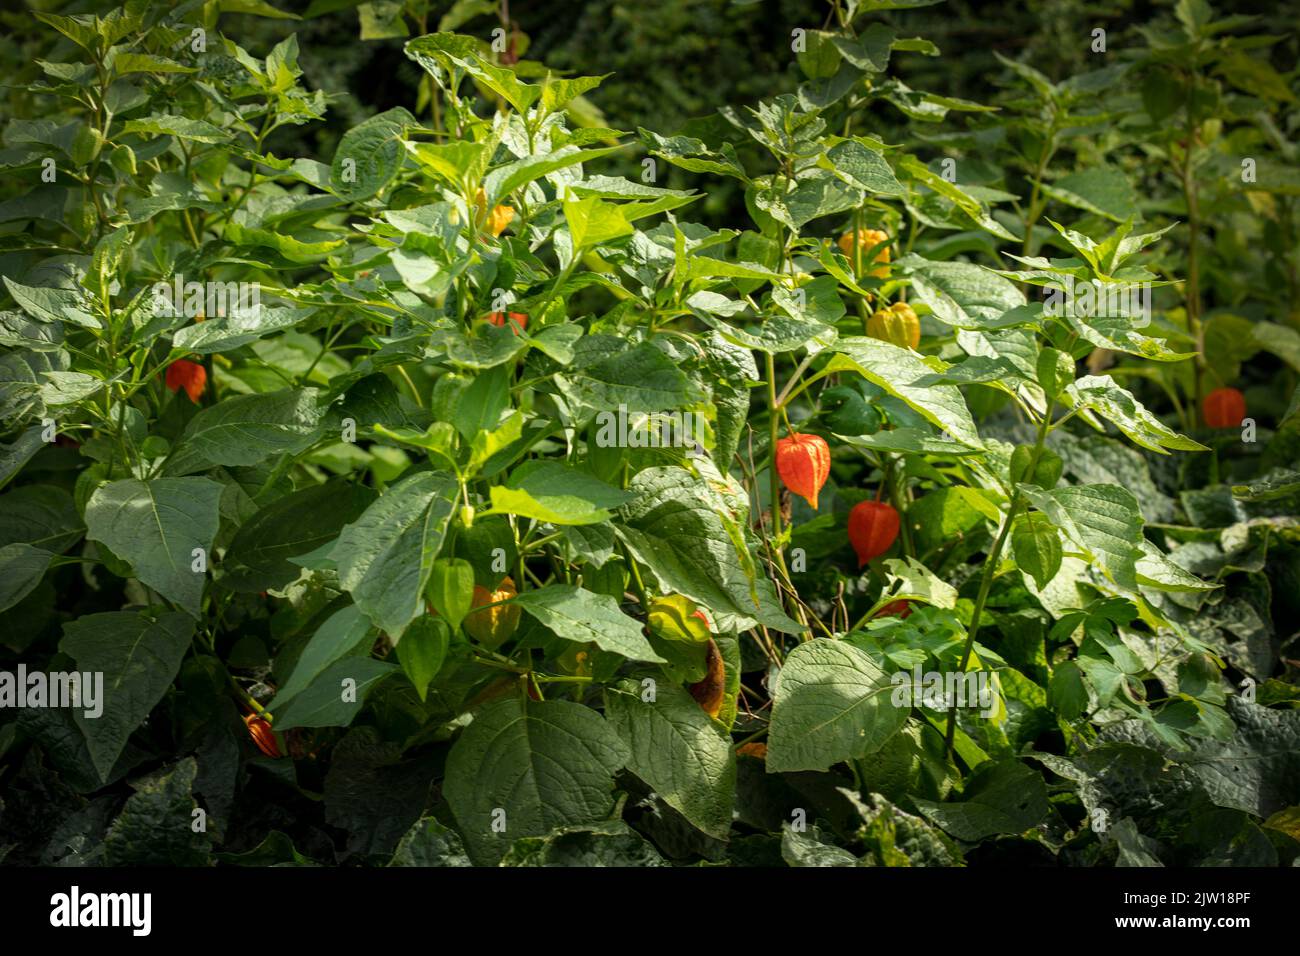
point(873, 526)
point(188, 375)
point(1224, 408)
point(262, 735)
point(518, 319)
point(804, 463)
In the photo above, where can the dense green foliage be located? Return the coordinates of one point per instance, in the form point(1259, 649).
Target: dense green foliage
point(458, 539)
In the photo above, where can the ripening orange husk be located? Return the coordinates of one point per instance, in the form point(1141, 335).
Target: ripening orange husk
point(804, 464)
point(866, 238)
point(873, 528)
point(262, 735)
point(897, 325)
point(188, 375)
point(499, 218)
point(709, 692)
point(1223, 408)
point(492, 626)
point(518, 320)
point(755, 748)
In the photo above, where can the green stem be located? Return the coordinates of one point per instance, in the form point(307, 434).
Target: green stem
point(773, 430)
point(991, 567)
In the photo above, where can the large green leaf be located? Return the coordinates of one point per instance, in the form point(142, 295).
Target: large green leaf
point(1037, 546)
point(1100, 394)
point(260, 556)
point(156, 826)
point(248, 430)
point(691, 538)
point(225, 333)
point(575, 614)
point(831, 702)
point(1001, 797)
point(1104, 520)
point(903, 374)
point(370, 154)
point(552, 492)
point(384, 557)
point(139, 655)
point(965, 295)
point(156, 525)
point(22, 567)
point(1101, 190)
point(336, 696)
point(523, 768)
point(642, 378)
point(341, 634)
point(863, 167)
point(506, 179)
point(678, 750)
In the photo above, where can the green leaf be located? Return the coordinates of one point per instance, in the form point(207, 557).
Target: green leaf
point(156, 826)
point(139, 655)
point(225, 333)
point(678, 750)
point(691, 537)
point(965, 295)
point(260, 557)
point(16, 454)
point(248, 430)
point(592, 221)
point(555, 493)
point(1003, 796)
point(902, 373)
point(642, 378)
point(294, 250)
point(342, 633)
point(1100, 394)
point(1100, 190)
point(22, 567)
point(910, 580)
point(605, 844)
point(575, 614)
point(1036, 544)
point(862, 167)
point(51, 305)
point(385, 557)
point(369, 155)
point(336, 696)
point(831, 703)
point(125, 63)
point(1104, 520)
point(504, 180)
point(44, 516)
point(501, 81)
point(557, 92)
point(182, 127)
point(429, 843)
point(531, 767)
point(156, 525)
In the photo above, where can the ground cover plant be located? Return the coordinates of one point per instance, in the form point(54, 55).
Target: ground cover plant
point(460, 498)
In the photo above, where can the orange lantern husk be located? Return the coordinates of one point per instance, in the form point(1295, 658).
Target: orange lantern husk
point(187, 375)
point(1223, 408)
point(873, 528)
point(804, 464)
